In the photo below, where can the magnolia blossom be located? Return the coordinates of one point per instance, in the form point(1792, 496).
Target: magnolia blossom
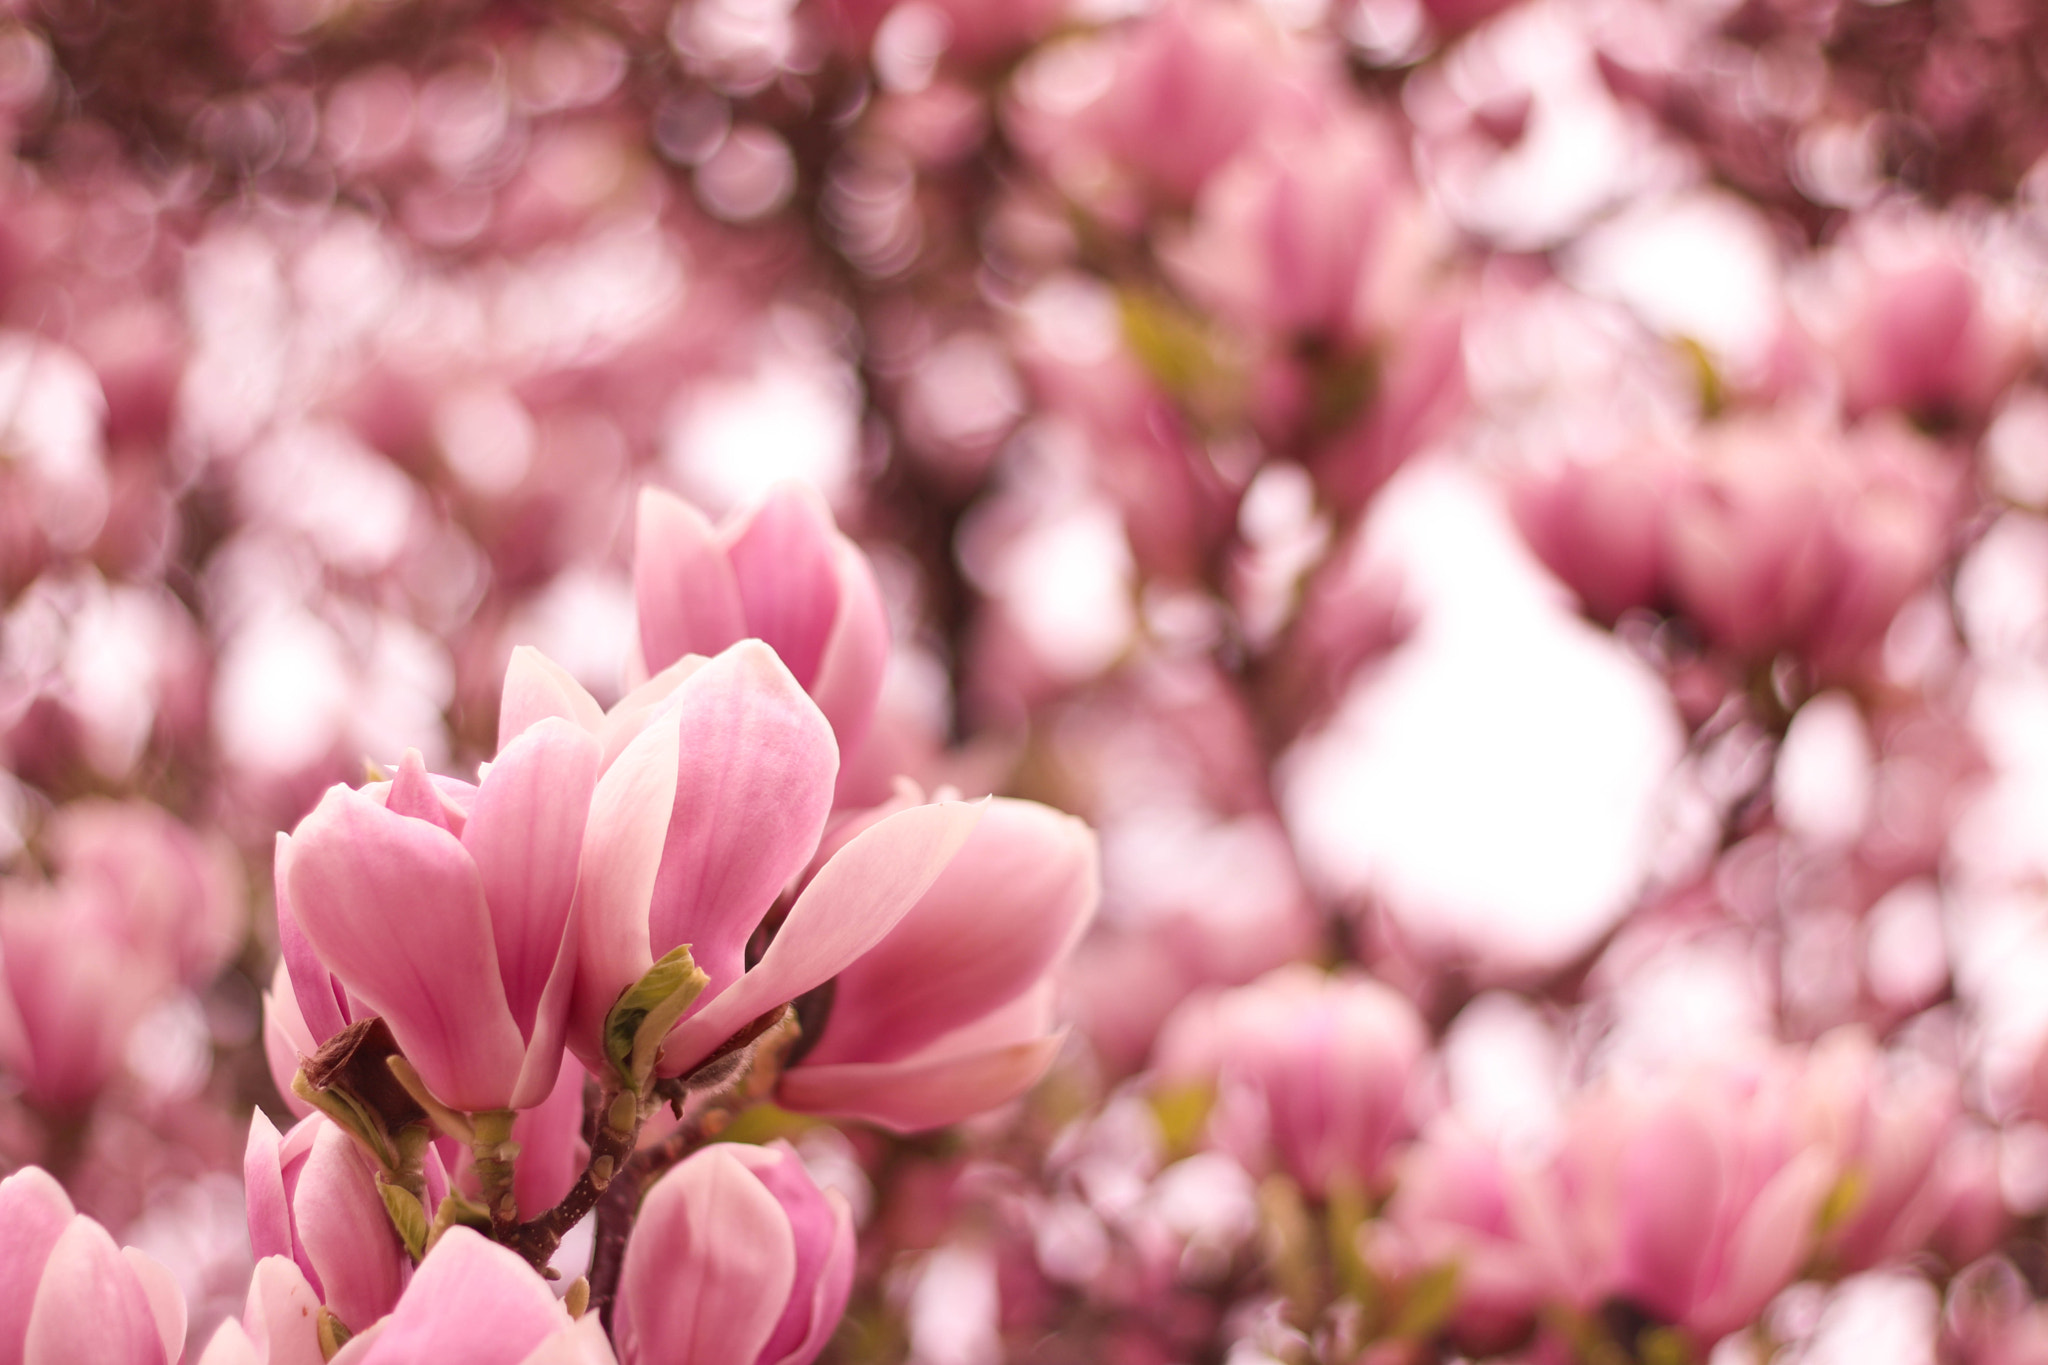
point(445, 909)
point(780, 572)
point(743, 1228)
point(1312, 1070)
point(69, 1296)
point(950, 1013)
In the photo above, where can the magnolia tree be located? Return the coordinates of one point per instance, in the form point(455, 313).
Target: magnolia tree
point(739, 682)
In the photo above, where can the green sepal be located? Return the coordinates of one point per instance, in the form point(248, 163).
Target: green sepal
point(458, 1210)
point(646, 1011)
point(408, 1215)
point(1428, 1303)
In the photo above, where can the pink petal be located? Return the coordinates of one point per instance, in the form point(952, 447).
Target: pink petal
point(753, 787)
point(537, 687)
point(34, 1211)
point(1768, 1246)
point(915, 1094)
point(89, 1307)
point(829, 1294)
point(551, 1147)
point(855, 899)
point(622, 846)
point(1671, 1188)
point(525, 835)
point(395, 908)
point(285, 1037)
point(269, 1210)
point(322, 1005)
point(849, 679)
point(708, 1268)
point(688, 600)
point(413, 794)
point(816, 1223)
point(166, 1300)
point(641, 707)
point(784, 563)
point(351, 1251)
point(281, 1314)
point(581, 1343)
point(471, 1302)
point(1006, 908)
point(231, 1346)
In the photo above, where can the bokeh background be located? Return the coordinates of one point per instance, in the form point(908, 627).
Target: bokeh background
point(1542, 503)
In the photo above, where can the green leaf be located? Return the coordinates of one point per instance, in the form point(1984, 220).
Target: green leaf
point(646, 1011)
point(1431, 1297)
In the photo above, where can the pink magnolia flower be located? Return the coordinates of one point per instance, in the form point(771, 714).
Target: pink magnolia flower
point(950, 1014)
point(313, 1198)
point(174, 895)
point(69, 1296)
point(445, 909)
point(718, 781)
point(1310, 1069)
point(1920, 338)
point(1693, 1197)
point(280, 1323)
point(780, 572)
point(473, 1302)
point(743, 1228)
point(1599, 525)
point(70, 992)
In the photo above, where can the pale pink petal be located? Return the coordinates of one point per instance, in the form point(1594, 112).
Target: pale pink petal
point(914, 1094)
point(708, 1268)
point(581, 1343)
point(996, 920)
point(829, 1294)
point(471, 1302)
point(537, 687)
point(783, 561)
point(849, 679)
point(231, 1346)
point(89, 1308)
point(34, 1211)
point(394, 907)
point(350, 1248)
point(270, 1212)
point(753, 788)
point(640, 708)
point(281, 1314)
point(166, 1300)
point(622, 843)
point(815, 1219)
point(286, 1038)
point(1768, 1246)
point(683, 586)
point(525, 835)
point(855, 899)
point(412, 794)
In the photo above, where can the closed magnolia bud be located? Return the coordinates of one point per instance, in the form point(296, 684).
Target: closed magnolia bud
point(69, 1296)
point(743, 1228)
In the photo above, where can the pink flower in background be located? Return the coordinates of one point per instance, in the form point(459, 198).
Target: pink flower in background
point(744, 1228)
point(175, 895)
point(699, 823)
point(72, 992)
point(1921, 337)
point(69, 1296)
point(445, 909)
point(313, 1198)
point(1312, 1072)
point(950, 1013)
point(781, 573)
point(1599, 525)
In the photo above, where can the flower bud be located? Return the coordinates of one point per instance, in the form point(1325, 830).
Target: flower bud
point(746, 1229)
point(313, 1197)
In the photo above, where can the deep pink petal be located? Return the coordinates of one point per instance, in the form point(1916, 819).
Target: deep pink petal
point(551, 1147)
point(996, 920)
point(525, 835)
point(395, 909)
point(537, 687)
point(708, 1268)
point(855, 899)
point(34, 1212)
point(90, 1309)
point(1672, 1184)
point(814, 1224)
point(784, 560)
point(351, 1251)
point(688, 599)
point(753, 787)
point(829, 1292)
point(471, 1302)
point(856, 654)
